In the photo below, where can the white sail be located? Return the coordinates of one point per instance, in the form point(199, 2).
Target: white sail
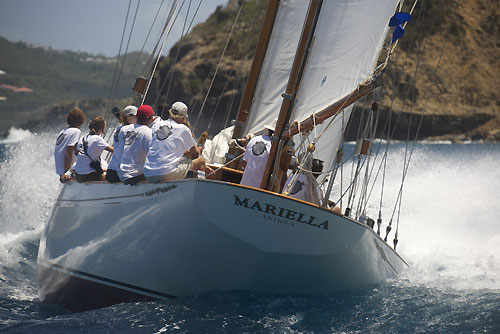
point(348, 38)
point(277, 64)
point(347, 41)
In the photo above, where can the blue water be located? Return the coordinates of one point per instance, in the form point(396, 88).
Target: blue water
point(449, 234)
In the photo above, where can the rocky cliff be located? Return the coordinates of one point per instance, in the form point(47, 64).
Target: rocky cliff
point(446, 69)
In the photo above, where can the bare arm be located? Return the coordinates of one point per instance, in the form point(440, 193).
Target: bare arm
point(193, 153)
point(110, 149)
point(68, 157)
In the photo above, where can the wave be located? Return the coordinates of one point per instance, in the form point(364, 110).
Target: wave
point(16, 135)
point(28, 183)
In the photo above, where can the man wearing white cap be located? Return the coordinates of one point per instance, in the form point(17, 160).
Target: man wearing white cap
point(172, 148)
point(128, 116)
point(136, 140)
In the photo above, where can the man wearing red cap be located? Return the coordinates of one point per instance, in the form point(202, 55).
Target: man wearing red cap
point(136, 140)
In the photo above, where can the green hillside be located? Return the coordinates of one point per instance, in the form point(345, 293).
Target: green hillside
point(58, 76)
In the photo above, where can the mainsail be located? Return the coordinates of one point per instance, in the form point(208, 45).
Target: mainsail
point(347, 41)
point(345, 46)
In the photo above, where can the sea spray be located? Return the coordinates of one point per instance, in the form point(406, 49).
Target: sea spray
point(448, 226)
point(28, 187)
point(28, 183)
point(15, 135)
point(449, 231)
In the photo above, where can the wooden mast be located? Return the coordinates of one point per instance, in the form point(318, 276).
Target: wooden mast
point(292, 86)
point(258, 60)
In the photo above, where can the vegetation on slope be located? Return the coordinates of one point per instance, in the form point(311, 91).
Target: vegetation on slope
point(56, 76)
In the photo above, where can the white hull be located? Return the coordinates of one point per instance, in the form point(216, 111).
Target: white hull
point(181, 238)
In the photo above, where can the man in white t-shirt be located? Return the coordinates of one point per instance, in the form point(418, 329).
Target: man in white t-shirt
point(67, 139)
point(172, 148)
point(136, 139)
point(255, 158)
point(128, 116)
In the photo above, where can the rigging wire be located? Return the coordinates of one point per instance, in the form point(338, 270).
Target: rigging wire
point(220, 61)
point(170, 74)
point(417, 132)
point(406, 164)
point(384, 160)
point(388, 140)
point(118, 57)
point(162, 47)
point(128, 42)
point(158, 40)
point(206, 80)
point(147, 36)
point(108, 134)
point(236, 82)
point(239, 56)
point(229, 108)
point(183, 34)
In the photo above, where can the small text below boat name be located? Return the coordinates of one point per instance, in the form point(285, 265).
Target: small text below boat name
point(271, 210)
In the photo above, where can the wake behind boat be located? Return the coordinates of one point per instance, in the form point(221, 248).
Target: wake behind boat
point(110, 243)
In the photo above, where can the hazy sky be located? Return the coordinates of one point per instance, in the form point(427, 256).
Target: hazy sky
point(93, 26)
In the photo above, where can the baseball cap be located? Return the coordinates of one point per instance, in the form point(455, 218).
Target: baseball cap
point(129, 110)
point(271, 126)
point(145, 111)
point(179, 108)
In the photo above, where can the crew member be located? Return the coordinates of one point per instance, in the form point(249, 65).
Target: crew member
point(255, 158)
point(136, 140)
point(88, 162)
point(173, 148)
point(306, 186)
point(67, 139)
point(128, 116)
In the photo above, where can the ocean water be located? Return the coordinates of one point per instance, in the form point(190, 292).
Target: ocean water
point(449, 233)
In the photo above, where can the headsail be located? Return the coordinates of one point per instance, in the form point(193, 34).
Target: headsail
point(277, 64)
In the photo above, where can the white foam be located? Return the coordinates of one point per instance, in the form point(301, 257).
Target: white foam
point(15, 135)
point(449, 230)
point(28, 187)
point(28, 183)
point(14, 266)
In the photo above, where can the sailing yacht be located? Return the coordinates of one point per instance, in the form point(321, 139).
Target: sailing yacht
point(111, 243)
